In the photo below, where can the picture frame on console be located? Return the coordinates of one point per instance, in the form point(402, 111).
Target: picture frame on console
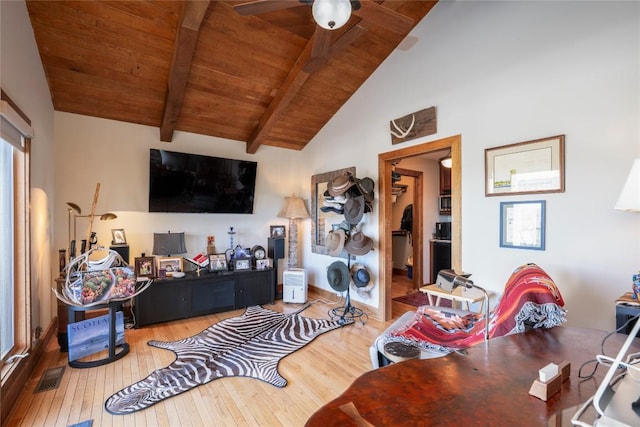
point(278, 232)
point(217, 262)
point(145, 266)
point(170, 265)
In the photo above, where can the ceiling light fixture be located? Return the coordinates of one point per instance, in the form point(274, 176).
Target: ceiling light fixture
point(331, 14)
point(446, 160)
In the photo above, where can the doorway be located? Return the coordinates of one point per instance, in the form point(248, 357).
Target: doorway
point(385, 167)
point(411, 186)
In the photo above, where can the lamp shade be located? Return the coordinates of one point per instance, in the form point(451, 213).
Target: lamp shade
point(168, 244)
point(108, 216)
point(293, 208)
point(331, 14)
point(74, 208)
point(629, 199)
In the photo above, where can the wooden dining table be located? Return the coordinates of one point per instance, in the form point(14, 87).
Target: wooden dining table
point(488, 385)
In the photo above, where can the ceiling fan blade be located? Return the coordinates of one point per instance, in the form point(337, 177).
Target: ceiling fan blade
point(380, 15)
point(262, 6)
point(319, 50)
point(321, 40)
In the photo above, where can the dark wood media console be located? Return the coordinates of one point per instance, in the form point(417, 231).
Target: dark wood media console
point(207, 293)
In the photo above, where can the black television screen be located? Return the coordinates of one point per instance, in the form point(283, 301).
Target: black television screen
point(180, 182)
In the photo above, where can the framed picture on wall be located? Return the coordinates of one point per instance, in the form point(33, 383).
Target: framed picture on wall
point(525, 168)
point(522, 225)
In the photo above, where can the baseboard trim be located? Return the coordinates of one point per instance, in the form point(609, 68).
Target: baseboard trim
point(14, 385)
point(372, 312)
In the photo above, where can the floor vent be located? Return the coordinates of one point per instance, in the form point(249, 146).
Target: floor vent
point(50, 379)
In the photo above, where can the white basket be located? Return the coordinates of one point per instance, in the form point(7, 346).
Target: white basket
point(92, 282)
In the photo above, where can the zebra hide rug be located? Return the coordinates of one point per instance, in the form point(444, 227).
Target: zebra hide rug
point(250, 345)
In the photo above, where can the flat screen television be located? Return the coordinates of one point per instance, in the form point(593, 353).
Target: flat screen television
point(180, 182)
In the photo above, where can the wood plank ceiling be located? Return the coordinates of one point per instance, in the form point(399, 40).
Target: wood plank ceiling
point(271, 78)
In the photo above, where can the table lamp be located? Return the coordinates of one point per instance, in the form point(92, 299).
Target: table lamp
point(455, 280)
point(629, 199)
point(167, 244)
point(103, 217)
point(293, 208)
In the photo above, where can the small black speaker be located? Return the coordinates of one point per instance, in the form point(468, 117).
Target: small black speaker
point(123, 251)
point(275, 248)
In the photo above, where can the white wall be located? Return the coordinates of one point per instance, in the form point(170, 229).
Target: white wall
point(116, 155)
point(22, 78)
point(505, 72)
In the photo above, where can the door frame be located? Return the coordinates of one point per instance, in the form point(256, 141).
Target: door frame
point(385, 161)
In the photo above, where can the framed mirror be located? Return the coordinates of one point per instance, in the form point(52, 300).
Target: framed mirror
point(322, 222)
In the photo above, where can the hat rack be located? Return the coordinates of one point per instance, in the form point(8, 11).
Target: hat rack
point(363, 189)
point(348, 312)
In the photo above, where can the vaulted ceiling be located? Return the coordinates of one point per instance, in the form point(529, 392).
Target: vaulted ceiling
point(263, 73)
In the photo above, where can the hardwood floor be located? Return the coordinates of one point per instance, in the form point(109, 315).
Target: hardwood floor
point(317, 373)
point(401, 285)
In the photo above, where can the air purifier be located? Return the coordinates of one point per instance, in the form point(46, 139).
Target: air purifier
point(294, 285)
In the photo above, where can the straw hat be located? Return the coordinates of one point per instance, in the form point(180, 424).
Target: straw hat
point(340, 184)
point(335, 242)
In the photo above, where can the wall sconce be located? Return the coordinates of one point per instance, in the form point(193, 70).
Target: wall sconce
point(331, 14)
point(72, 208)
point(293, 208)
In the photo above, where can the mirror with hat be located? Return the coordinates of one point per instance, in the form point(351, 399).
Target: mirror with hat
point(327, 204)
point(339, 201)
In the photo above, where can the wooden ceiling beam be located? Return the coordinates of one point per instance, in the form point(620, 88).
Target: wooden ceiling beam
point(192, 16)
point(377, 14)
point(317, 51)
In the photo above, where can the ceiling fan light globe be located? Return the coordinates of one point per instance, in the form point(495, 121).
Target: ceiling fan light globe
point(331, 14)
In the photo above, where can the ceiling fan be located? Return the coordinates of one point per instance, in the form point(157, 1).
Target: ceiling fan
point(333, 14)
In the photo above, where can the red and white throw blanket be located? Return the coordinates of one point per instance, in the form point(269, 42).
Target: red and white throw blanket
point(530, 299)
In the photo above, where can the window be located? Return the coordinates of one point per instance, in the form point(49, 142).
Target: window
point(7, 338)
point(15, 316)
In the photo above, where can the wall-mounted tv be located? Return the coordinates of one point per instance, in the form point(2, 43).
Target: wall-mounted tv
point(180, 182)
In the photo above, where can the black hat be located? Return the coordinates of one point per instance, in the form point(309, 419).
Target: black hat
point(365, 186)
point(338, 276)
point(354, 209)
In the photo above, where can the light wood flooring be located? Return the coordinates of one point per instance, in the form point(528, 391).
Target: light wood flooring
point(317, 373)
